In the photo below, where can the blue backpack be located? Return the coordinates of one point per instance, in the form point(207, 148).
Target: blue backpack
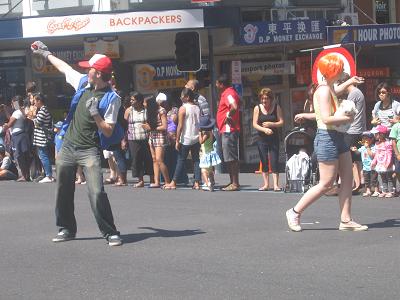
point(108, 98)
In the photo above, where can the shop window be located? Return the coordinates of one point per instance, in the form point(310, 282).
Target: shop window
point(51, 7)
point(12, 82)
point(252, 16)
point(10, 8)
point(382, 9)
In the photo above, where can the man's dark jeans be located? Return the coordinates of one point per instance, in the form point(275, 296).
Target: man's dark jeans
point(68, 160)
point(182, 156)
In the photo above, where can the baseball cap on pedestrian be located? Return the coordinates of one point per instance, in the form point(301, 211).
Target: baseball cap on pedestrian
point(380, 129)
point(99, 62)
point(206, 122)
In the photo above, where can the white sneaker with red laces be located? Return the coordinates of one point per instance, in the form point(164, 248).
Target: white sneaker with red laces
point(293, 220)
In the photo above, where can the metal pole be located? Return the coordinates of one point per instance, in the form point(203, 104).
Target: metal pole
point(213, 76)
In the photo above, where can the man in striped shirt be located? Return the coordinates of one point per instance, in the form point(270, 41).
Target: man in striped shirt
point(42, 136)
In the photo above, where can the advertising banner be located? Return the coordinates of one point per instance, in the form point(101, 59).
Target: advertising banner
point(105, 45)
point(364, 34)
point(260, 33)
point(112, 23)
point(268, 68)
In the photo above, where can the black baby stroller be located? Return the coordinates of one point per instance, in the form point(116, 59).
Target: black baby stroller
point(299, 148)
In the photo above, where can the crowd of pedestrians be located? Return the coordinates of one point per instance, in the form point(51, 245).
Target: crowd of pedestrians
point(154, 136)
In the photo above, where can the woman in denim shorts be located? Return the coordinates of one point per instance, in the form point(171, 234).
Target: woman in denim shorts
point(332, 153)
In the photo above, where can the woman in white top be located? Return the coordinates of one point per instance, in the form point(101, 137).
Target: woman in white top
point(187, 138)
point(332, 153)
point(21, 143)
point(384, 110)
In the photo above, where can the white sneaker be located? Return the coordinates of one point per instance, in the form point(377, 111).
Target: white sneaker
point(47, 180)
point(205, 187)
point(293, 220)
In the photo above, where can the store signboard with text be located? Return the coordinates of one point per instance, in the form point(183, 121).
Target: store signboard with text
point(290, 31)
point(268, 68)
point(105, 45)
point(158, 76)
point(364, 34)
point(112, 23)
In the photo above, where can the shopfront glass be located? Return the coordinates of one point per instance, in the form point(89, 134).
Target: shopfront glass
point(12, 82)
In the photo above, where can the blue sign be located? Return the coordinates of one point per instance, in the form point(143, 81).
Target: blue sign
point(169, 70)
point(10, 29)
point(261, 33)
point(238, 88)
point(364, 34)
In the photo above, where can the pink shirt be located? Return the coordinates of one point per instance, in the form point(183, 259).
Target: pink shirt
point(382, 161)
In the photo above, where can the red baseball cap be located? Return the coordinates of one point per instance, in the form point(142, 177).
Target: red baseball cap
point(99, 62)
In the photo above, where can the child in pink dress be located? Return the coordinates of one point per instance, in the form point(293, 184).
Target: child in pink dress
point(382, 162)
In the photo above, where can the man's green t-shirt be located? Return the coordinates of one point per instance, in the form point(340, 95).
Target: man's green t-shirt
point(395, 134)
point(82, 132)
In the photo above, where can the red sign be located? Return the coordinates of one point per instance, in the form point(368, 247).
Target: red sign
point(374, 72)
point(343, 53)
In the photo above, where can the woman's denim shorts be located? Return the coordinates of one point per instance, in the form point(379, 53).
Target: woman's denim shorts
point(329, 144)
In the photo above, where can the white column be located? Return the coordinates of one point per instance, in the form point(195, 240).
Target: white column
point(102, 5)
point(27, 10)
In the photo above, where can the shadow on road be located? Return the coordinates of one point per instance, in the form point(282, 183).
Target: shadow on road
point(157, 232)
point(386, 224)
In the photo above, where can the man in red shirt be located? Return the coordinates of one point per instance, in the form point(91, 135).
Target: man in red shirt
point(228, 122)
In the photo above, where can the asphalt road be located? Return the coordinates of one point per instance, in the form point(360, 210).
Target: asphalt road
point(187, 244)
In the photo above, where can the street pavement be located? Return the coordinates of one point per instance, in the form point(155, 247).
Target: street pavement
point(188, 244)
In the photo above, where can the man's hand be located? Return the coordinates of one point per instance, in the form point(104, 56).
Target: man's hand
point(357, 80)
point(40, 49)
point(92, 105)
point(228, 120)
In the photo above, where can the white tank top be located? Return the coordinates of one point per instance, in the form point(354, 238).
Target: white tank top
point(190, 128)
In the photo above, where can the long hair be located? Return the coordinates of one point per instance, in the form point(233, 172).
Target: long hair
point(152, 111)
point(330, 65)
point(383, 85)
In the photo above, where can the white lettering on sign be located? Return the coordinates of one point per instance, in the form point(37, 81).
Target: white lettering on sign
point(367, 35)
point(282, 38)
point(389, 33)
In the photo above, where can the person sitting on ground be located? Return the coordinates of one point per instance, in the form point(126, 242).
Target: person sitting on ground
point(8, 169)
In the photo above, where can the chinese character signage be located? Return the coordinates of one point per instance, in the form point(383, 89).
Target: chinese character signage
point(364, 34)
point(260, 33)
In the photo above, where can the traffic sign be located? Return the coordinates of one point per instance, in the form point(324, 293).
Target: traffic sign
point(345, 52)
